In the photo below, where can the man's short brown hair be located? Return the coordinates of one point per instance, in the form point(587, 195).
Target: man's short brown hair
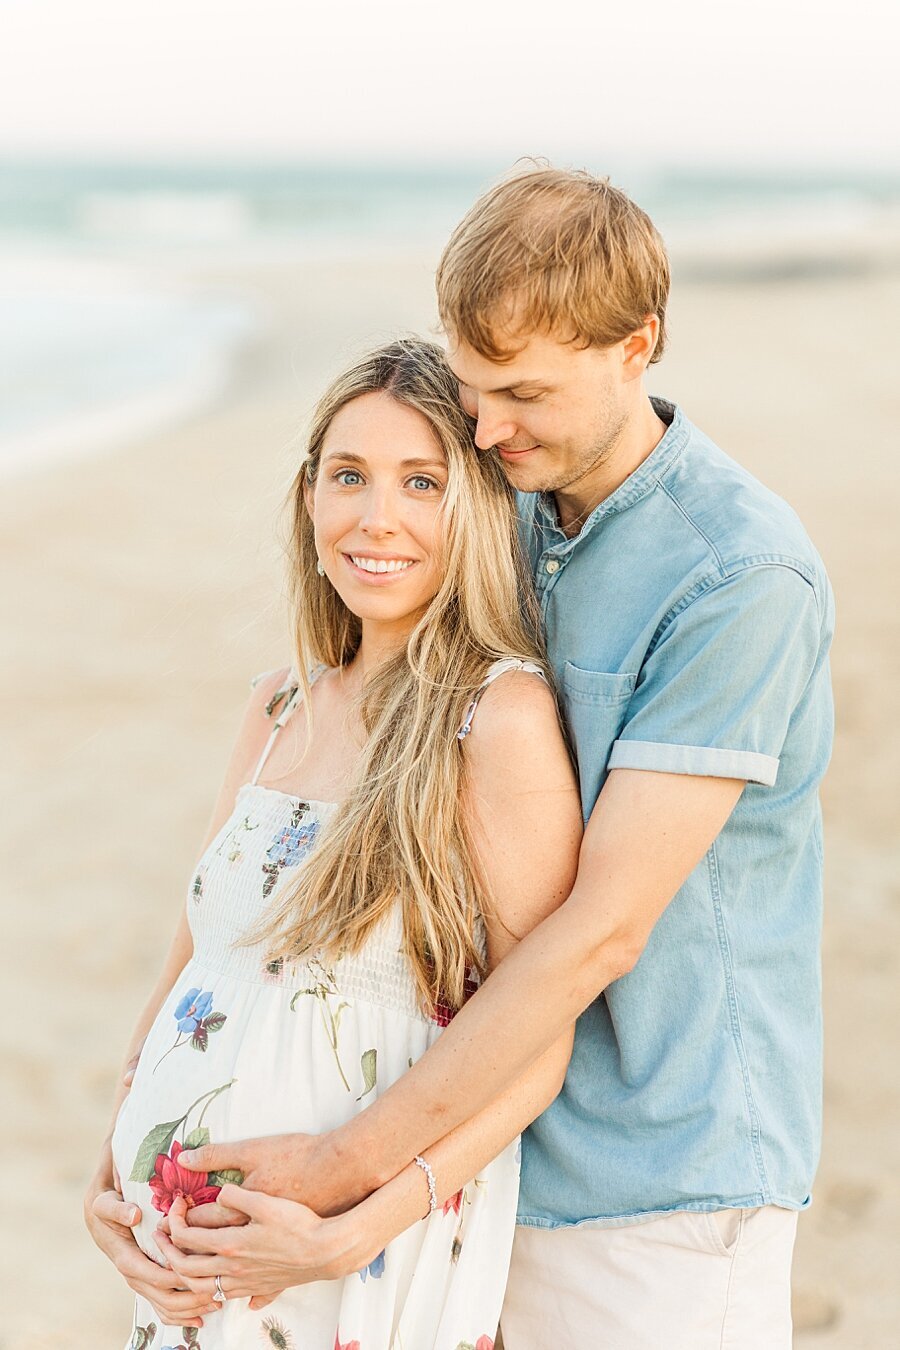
point(552, 250)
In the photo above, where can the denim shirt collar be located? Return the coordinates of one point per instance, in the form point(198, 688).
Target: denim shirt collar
point(636, 485)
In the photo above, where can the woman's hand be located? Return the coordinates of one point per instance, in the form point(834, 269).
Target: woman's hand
point(110, 1220)
point(297, 1167)
point(282, 1243)
point(129, 1070)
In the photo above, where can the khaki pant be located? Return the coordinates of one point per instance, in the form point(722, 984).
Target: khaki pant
point(686, 1281)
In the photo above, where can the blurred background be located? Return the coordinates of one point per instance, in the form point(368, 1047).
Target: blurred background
point(205, 211)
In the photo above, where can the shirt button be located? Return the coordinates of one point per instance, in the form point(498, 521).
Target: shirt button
point(551, 565)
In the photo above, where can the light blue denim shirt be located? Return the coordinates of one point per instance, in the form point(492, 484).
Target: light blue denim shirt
point(688, 625)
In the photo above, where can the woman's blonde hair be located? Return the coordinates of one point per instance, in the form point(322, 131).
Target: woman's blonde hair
point(552, 250)
point(401, 834)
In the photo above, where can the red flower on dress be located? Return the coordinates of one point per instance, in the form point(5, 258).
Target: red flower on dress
point(171, 1182)
point(344, 1345)
point(453, 1203)
point(443, 1013)
point(484, 1343)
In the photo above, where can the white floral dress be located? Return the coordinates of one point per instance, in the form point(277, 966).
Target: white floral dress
point(245, 1047)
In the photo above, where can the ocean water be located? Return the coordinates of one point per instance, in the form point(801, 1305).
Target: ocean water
point(93, 351)
point(102, 332)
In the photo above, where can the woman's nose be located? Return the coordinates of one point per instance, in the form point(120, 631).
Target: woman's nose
point(379, 515)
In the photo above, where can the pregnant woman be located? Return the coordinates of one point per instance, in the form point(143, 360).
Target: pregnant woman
point(398, 811)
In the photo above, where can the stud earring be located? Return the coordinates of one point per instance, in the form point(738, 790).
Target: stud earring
point(319, 568)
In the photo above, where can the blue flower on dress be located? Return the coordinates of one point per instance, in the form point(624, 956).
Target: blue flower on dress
point(374, 1268)
point(292, 843)
point(192, 1009)
point(289, 847)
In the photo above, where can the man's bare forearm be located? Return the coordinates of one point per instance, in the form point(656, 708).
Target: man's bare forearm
point(491, 1042)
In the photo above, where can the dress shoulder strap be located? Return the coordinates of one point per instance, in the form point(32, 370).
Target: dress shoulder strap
point(287, 697)
point(497, 669)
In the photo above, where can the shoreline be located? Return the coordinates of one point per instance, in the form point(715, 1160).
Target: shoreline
point(238, 278)
point(110, 349)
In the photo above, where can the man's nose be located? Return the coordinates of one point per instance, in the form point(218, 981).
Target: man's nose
point(492, 428)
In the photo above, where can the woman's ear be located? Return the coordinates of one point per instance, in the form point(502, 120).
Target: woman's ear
point(308, 498)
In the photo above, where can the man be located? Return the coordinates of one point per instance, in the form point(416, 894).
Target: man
point(688, 620)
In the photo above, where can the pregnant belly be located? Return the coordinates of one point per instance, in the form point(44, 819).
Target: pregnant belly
point(227, 1060)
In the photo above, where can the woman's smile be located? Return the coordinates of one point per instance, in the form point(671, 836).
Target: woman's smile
point(372, 569)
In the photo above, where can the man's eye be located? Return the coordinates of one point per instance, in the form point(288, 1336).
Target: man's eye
point(343, 474)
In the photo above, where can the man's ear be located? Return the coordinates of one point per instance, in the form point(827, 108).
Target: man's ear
point(639, 346)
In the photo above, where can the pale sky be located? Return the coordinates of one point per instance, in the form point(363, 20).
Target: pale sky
point(766, 82)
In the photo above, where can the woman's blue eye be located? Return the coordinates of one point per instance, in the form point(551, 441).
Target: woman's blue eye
point(343, 474)
point(420, 481)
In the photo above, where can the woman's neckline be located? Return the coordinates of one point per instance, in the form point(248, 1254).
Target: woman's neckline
point(286, 796)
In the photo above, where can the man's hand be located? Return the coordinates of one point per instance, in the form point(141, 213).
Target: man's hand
point(110, 1220)
point(289, 1166)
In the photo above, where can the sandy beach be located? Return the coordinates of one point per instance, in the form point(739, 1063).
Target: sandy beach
point(144, 588)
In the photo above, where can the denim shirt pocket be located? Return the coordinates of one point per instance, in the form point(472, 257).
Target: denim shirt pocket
point(596, 704)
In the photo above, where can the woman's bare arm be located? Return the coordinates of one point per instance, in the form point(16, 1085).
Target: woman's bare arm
point(107, 1216)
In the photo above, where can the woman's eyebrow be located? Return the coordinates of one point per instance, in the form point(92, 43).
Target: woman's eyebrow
point(343, 454)
point(423, 463)
point(414, 462)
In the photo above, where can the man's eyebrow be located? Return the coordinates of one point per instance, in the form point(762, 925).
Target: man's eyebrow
point(413, 462)
point(509, 388)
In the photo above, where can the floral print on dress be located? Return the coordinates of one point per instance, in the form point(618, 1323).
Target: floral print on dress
point(195, 1020)
point(197, 884)
point(273, 970)
point(289, 847)
point(232, 842)
point(171, 1182)
point(153, 1152)
point(443, 1012)
point(344, 1345)
point(374, 1268)
point(274, 1332)
point(453, 1203)
point(142, 1337)
point(483, 1343)
point(323, 989)
point(458, 1204)
point(190, 1340)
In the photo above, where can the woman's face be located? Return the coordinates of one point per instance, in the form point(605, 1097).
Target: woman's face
point(375, 506)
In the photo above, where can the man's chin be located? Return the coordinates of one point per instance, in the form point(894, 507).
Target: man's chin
point(525, 477)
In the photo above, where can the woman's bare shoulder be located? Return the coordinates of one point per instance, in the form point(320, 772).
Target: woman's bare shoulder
point(516, 734)
point(516, 703)
point(260, 710)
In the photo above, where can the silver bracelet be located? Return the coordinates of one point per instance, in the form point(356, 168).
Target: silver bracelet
point(429, 1177)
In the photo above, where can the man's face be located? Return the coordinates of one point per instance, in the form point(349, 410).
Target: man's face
point(554, 412)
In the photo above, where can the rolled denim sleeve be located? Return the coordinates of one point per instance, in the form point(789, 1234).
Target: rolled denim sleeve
point(716, 694)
